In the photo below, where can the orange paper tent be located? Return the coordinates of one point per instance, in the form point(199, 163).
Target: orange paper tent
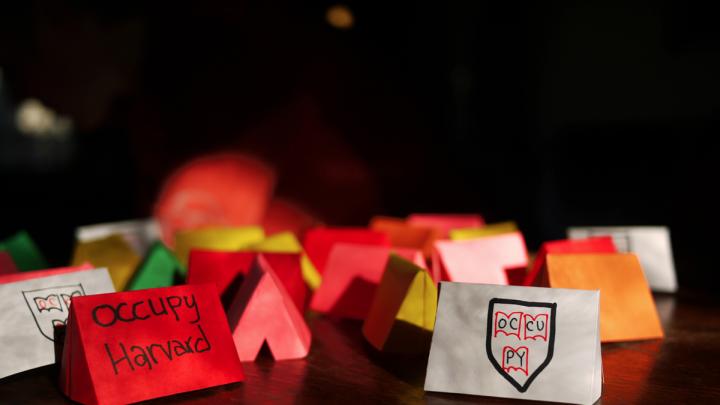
point(405, 235)
point(444, 223)
point(627, 308)
point(536, 277)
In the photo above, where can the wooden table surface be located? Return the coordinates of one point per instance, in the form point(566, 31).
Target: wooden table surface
point(342, 368)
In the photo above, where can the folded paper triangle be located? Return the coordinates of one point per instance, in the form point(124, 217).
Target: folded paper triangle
point(215, 238)
point(7, 266)
point(159, 269)
point(228, 270)
point(651, 244)
point(528, 343)
point(32, 308)
point(140, 234)
point(286, 242)
point(627, 308)
point(538, 277)
point(318, 242)
point(112, 252)
point(402, 313)
point(445, 223)
point(498, 228)
point(263, 312)
point(137, 345)
point(352, 274)
point(405, 235)
point(500, 259)
point(23, 251)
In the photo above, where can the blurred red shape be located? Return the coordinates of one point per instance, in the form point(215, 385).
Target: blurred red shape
point(7, 266)
point(217, 190)
point(283, 215)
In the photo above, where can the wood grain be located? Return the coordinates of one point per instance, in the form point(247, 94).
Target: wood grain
point(343, 368)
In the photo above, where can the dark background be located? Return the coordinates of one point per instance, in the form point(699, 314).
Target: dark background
point(551, 114)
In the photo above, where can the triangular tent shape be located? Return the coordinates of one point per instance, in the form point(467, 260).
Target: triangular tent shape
point(405, 235)
point(352, 274)
point(538, 276)
point(227, 270)
point(23, 251)
point(402, 314)
point(627, 308)
point(497, 228)
point(318, 242)
point(216, 238)
point(112, 252)
point(263, 311)
point(176, 337)
point(286, 242)
point(159, 269)
point(445, 223)
point(500, 259)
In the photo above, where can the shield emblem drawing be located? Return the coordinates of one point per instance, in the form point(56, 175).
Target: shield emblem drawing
point(520, 339)
point(50, 306)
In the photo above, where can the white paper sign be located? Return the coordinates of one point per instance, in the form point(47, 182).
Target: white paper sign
point(516, 342)
point(139, 234)
point(650, 243)
point(32, 308)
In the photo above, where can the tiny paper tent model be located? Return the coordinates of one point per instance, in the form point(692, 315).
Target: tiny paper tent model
point(444, 223)
point(263, 312)
point(651, 244)
point(287, 242)
point(627, 308)
point(318, 242)
point(33, 307)
point(108, 358)
point(216, 238)
point(159, 269)
point(499, 259)
point(351, 276)
point(228, 270)
point(497, 228)
point(112, 252)
point(140, 234)
point(402, 314)
point(24, 252)
point(403, 234)
point(538, 276)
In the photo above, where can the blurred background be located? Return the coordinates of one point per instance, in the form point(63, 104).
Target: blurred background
point(551, 114)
